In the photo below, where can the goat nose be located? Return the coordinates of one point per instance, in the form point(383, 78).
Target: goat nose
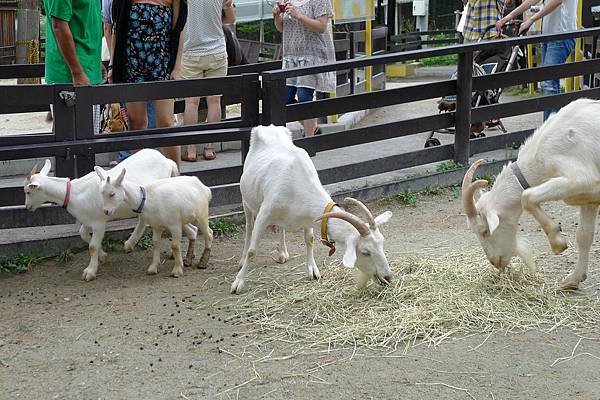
point(106, 212)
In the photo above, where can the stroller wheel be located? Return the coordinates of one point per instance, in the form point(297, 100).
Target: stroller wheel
point(431, 142)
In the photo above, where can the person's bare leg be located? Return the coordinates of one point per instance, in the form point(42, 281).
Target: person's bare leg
point(165, 119)
point(310, 126)
point(213, 104)
point(138, 115)
point(190, 117)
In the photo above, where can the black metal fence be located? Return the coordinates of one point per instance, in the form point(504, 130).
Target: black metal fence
point(74, 145)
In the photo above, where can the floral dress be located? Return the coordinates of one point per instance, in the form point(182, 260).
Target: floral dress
point(303, 48)
point(147, 48)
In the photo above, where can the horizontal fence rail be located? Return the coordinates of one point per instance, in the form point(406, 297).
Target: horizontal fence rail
point(262, 86)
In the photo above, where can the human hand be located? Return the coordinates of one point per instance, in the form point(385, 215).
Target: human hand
point(80, 79)
point(525, 26)
point(176, 74)
point(293, 12)
point(227, 4)
point(104, 72)
point(501, 22)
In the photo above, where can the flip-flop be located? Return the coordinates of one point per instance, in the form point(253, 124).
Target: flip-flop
point(209, 153)
point(186, 157)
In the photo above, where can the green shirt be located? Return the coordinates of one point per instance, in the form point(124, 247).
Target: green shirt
point(85, 20)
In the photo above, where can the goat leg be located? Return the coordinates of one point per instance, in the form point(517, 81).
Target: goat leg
point(585, 237)
point(553, 190)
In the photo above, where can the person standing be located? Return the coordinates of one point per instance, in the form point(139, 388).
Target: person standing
point(557, 16)
point(205, 56)
point(307, 42)
point(74, 45)
point(107, 21)
point(481, 14)
point(146, 47)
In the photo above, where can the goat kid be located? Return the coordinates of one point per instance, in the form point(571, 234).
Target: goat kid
point(163, 204)
point(560, 161)
point(280, 186)
point(81, 198)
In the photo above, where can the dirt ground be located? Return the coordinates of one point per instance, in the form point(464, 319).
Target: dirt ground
point(127, 335)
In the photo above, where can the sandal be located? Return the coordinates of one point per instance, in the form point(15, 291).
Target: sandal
point(209, 153)
point(186, 157)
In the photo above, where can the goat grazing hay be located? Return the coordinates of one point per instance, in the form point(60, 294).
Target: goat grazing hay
point(430, 300)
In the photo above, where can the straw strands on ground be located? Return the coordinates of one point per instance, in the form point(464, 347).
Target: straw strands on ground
point(430, 300)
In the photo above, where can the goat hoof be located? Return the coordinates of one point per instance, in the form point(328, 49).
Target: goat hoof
point(188, 262)
point(560, 245)
point(103, 258)
point(236, 287)
point(571, 282)
point(204, 259)
point(152, 271)
point(128, 247)
point(177, 272)
point(313, 273)
point(282, 259)
point(88, 275)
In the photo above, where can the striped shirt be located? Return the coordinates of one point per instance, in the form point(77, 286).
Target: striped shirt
point(480, 15)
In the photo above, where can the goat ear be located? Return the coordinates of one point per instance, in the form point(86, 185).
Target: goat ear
point(100, 173)
point(33, 186)
point(120, 178)
point(46, 167)
point(493, 221)
point(349, 254)
point(383, 218)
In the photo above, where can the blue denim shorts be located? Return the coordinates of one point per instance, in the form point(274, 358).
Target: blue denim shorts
point(304, 94)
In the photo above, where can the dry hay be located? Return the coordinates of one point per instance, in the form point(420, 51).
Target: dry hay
point(430, 300)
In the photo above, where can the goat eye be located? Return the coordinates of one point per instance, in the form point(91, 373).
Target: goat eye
point(365, 252)
point(112, 195)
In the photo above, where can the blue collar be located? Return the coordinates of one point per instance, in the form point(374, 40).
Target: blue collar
point(141, 207)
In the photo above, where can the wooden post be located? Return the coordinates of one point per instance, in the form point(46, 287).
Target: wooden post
point(273, 104)
point(462, 116)
point(368, 53)
point(28, 35)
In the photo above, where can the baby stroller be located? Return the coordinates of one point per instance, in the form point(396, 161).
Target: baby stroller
point(489, 61)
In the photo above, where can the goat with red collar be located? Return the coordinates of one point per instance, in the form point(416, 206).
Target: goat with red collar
point(81, 198)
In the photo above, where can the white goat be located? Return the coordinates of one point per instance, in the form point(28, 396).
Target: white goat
point(166, 203)
point(81, 198)
point(280, 186)
point(560, 161)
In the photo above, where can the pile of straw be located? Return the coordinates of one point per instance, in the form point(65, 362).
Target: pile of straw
point(430, 300)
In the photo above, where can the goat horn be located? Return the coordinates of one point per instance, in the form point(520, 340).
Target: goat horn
point(353, 220)
point(469, 188)
point(468, 197)
point(32, 172)
point(364, 209)
point(471, 173)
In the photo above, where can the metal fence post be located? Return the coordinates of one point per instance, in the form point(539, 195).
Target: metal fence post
point(273, 104)
point(462, 116)
point(84, 127)
point(63, 113)
point(250, 106)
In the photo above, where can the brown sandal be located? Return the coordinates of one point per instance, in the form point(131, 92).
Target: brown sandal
point(209, 153)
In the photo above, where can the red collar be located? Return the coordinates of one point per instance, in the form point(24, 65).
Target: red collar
point(67, 195)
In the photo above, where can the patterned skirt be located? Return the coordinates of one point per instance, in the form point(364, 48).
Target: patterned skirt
point(324, 82)
point(147, 49)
